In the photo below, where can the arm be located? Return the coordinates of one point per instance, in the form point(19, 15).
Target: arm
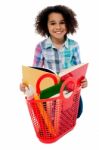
point(77, 60)
point(38, 62)
point(76, 54)
point(38, 57)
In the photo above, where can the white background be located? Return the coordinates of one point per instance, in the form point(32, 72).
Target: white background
point(17, 42)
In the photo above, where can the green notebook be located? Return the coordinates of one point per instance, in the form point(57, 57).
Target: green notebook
point(51, 91)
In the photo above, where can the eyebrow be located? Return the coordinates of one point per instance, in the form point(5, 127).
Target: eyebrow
point(55, 21)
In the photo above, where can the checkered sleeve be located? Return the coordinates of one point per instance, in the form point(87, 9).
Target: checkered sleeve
point(76, 55)
point(38, 57)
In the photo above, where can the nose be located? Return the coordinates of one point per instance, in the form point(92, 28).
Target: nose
point(58, 26)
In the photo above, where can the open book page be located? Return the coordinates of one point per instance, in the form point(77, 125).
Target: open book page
point(31, 75)
point(44, 69)
point(77, 72)
point(65, 71)
point(47, 85)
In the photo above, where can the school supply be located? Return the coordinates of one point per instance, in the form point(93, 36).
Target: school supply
point(31, 75)
point(31, 94)
point(54, 113)
point(62, 116)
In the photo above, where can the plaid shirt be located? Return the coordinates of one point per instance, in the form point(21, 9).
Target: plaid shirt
point(47, 56)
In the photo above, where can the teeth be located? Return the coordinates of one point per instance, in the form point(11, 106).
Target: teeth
point(58, 32)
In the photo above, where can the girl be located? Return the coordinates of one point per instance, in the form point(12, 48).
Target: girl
point(57, 51)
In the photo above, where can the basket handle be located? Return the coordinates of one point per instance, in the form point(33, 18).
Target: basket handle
point(67, 101)
point(47, 75)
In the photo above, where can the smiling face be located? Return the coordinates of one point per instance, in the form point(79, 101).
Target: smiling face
point(56, 26)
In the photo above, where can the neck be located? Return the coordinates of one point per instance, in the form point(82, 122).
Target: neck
point(58, 43)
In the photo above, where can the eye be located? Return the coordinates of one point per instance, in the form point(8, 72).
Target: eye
point(62, 22)
point(52, 23)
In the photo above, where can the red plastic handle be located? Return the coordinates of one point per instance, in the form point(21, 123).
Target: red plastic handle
point(68, 100)
point(47, 75)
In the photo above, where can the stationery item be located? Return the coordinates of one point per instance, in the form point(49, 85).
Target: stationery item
point(31, 75)
point(31, 94)
point(56, 115)
point(34, 75)
point(45, 116)
point(51, 91)
point(62, 116)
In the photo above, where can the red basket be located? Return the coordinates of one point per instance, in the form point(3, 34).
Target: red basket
point(54, 117)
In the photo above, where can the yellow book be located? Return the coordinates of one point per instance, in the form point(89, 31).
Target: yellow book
point(30, 75)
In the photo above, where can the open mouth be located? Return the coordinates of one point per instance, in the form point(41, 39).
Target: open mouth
point(58, 32)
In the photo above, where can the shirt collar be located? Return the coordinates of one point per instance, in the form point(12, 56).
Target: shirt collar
point(49, 43)
point(66, 43)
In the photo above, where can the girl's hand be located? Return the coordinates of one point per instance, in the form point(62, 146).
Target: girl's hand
point(27, 90)
point(22, 87)
point(84, 83)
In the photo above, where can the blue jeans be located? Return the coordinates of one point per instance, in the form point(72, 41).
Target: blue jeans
point(80, 109)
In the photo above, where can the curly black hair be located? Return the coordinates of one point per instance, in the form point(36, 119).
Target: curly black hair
point(67, 13)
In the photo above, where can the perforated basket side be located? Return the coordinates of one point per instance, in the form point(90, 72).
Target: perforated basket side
point(62, 120)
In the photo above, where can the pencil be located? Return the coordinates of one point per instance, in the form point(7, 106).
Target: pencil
point(45, 116)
